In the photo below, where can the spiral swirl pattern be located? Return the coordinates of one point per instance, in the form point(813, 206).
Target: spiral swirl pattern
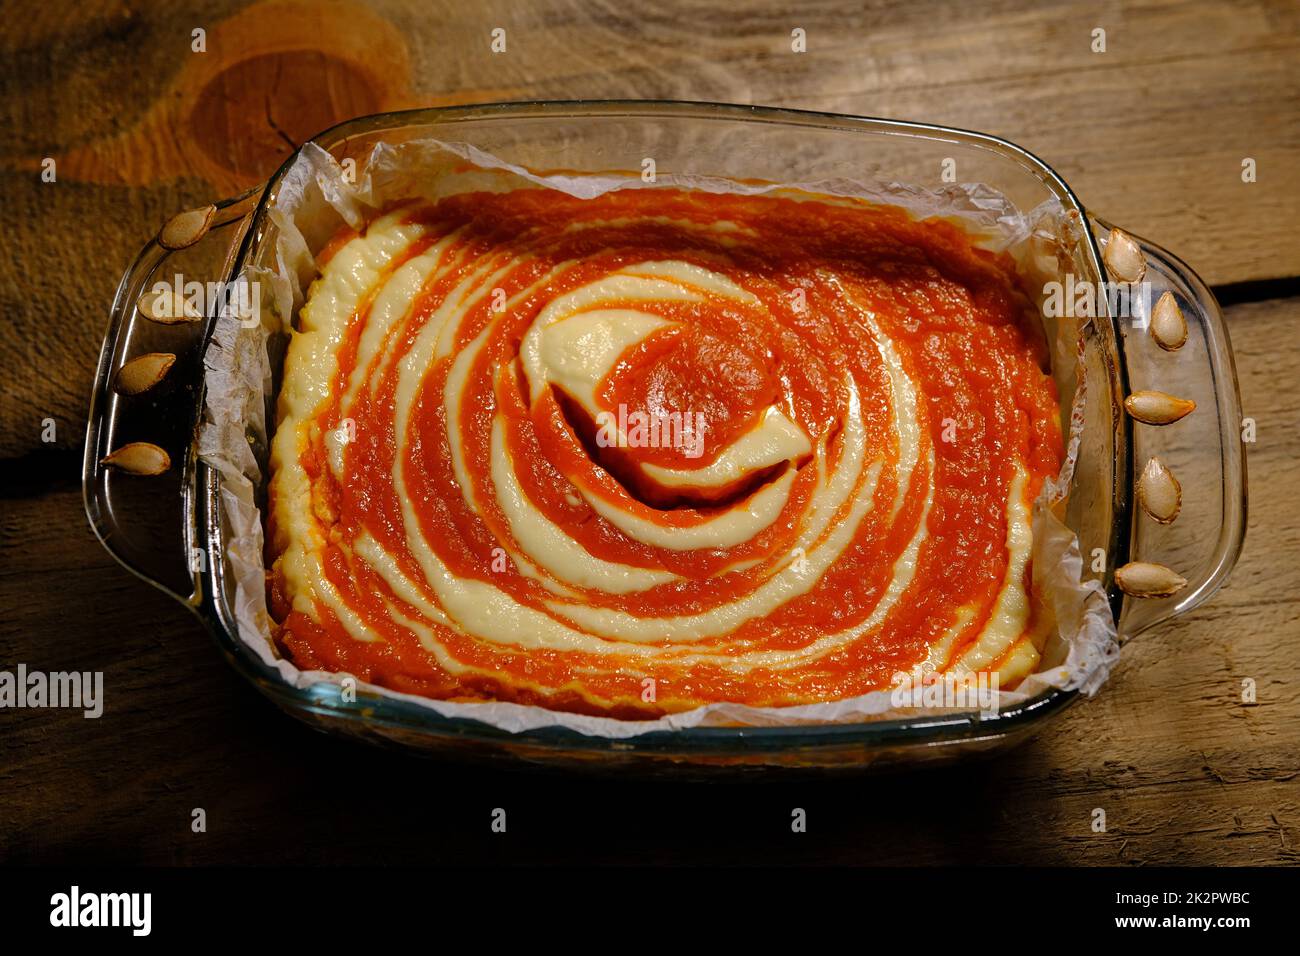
point(661, 448)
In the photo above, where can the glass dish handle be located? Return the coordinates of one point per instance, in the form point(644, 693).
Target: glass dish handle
point(147, 521)
point(1205, 450)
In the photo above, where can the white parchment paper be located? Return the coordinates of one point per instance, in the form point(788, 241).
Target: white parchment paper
point(318, 196)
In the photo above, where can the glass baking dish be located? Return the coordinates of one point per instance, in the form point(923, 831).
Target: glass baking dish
point(154, 525)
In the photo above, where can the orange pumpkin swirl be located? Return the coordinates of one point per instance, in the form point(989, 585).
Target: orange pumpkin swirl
point(658, 449)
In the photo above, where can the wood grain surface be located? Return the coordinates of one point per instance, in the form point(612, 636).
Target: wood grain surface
point(1151, 134)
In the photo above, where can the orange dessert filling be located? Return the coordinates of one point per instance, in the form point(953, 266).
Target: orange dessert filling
point(634, 454)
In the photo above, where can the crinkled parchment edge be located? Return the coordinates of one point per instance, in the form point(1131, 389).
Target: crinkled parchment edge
point(316, 197)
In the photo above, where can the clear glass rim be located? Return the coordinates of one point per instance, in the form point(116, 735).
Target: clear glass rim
point(326, 699)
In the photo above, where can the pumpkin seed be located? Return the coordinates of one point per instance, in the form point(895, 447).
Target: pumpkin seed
point(1157, 408)
point(186, 228)
point(1168, 326)
point(162, 307)
point(1123, 257)
point(1143, 579)
point(139, 458)
point(1159, 492)
point(143, 372)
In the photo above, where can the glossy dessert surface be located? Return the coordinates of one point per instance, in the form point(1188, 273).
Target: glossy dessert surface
point(633, 454)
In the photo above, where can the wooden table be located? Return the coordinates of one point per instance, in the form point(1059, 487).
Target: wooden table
point(1151, 133)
